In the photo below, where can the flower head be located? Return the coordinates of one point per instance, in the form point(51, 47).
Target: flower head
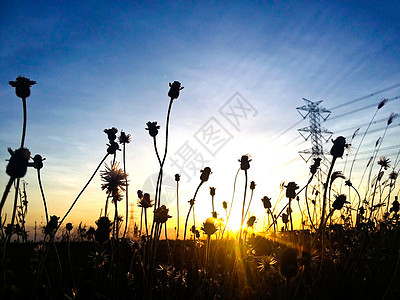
point(266, 202)
point(314, 167)
point(112, 147)
point(285, 218)
point(103, 229)
point(161, 214)
point(69, 227)
point(111, 133)
point(18, 164)
point(140, 194)
point(225, 205)
point(339, 202)
point(22, 86)
point(382, 103)
point(114, 181)
point(339, 144)
point(252, 185)
point(174, 90)
point(38, 161)
point(393, 175)
point(124, 138)
point(209, 227)
point(51, 225)
point(291, 190)
point(212, 191)
point(205, 174)
point(177, 177)
point(266, 264)
point(250, 222)
point(145, 201)
point(245, 162)
point(395, 206)
point(384, 162)
point(391, 118)
point(152, 127)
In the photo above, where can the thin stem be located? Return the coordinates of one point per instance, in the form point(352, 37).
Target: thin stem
point(326, 190)
point(190, 208)
point(244, 203)
point(43, 197)
point(230, 208)
point(24, 122)
point(177, 209)
point(126, 192)
point(80, 193)
point(6, 191)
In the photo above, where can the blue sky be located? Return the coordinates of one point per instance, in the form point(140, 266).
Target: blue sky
point(99, 64)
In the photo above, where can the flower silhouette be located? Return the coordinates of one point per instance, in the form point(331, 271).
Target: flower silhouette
point(111, 133)
point(22, 86)
point(174, 90)
point(152, 127)
point(209, 227)
point(18, 164)
point(114, 181)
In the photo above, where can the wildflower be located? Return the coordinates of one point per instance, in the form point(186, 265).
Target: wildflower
point(140, 194)
point(348, 183)
point(205, 174)
point(191, 202)
point(266, 264)
point(214, 214)
point(112, 147)
point(174, 90)
point(392, 117)
point(266, 202)
point(225, 205)
point(314, 167)
point(22, 86)
point(285, 218)
point(251, 221)
point(339, 144)
point(384, 162)
point(114, 181)
point(245, 162)
point(393, 175)
point(252, 185)
point(337, 174)
point(111, 133)
point(212, 191)
point(103, 229)
point(291, 190)
point(177, 177)
point(309, 259)
point(145, 201)
point(18, 164)
point(382, 103)
point(289, 266)
point(152, 127)
point(68, 227)
point(51, 225)
point(38, 161)
point(124, 138)
point(339, 202)
point(161, 214)
point(395, 206)
point(209, 227)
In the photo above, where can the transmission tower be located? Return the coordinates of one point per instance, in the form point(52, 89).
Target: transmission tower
point(132, 223)
point(315, 131)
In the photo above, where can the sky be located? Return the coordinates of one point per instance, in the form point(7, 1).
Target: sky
point(100, 64)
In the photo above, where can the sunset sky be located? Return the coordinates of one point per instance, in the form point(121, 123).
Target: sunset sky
point(100, 64)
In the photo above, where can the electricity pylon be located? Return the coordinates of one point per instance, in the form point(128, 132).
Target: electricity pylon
point(315, 113)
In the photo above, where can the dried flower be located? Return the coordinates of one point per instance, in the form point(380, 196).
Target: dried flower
point(161, 214)
point(392, 117)
point(68, 227)
point(209, 227)
point(38, 161)
point(111, 133)
point(393, 175)
point(152, 127)
point(22, 86)
point(384, 162)
point(266, 202)
point(114, 181)
point(103, 229)
point(339, 144)
point(18, 164)
point(395, 206)
point(266, 264)
point(205, 174)
point(336, 175)
point(177, 177)
point(145, 201)
point(314, 167)
point(252, 185)
point(124, 138)
point(291, 190)
point(174, 90)
point(212, 191)
point(339, 202)
point(140, 194)
point(382, 103)
point(225, 205)
point(112, 147)
point(245, 162)
point(285, 218)
point(250, 222)
point(51, 225)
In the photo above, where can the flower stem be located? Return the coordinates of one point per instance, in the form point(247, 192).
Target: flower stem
point(24, 122)
point(244, 203)
point(126, 192)
point(177, 209)
point(43, 197)
point(6, 191)
point(325, 191)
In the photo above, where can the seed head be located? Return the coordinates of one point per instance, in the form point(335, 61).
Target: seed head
point(22, 86)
